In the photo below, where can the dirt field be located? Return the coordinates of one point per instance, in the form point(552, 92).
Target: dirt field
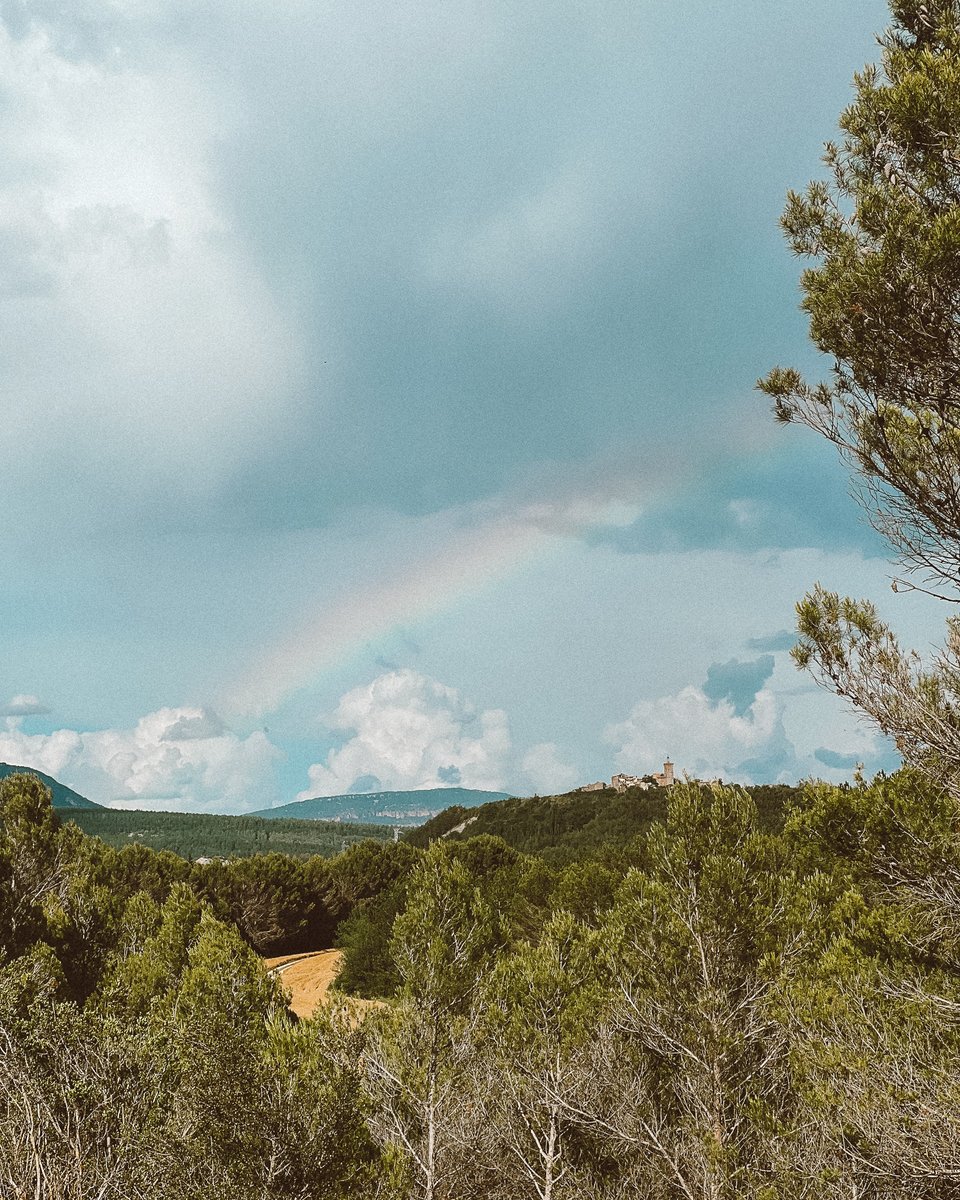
point(307, 979)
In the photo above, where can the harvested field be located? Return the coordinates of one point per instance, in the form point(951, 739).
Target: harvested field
point(307, 978)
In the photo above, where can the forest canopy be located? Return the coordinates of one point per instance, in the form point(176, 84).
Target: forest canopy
point(715, 1009)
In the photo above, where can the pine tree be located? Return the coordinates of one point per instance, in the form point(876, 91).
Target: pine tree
point(417, 1055)
point(883, 300)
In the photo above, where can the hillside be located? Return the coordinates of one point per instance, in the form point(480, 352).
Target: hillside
point(63, 797)
point(382, 808)
point(209, 835)
point(564, 827)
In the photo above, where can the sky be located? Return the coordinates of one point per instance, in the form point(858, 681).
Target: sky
point(378, 396)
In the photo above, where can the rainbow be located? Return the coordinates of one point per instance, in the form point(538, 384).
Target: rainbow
point(466, 559)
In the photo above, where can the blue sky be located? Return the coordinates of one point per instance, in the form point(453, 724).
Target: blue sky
point(378, 395)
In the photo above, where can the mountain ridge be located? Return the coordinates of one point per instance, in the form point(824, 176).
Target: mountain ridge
point(404, 808)
point(63, 797)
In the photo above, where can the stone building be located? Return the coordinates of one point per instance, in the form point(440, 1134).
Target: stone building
point(620, 783)
point(665, 778)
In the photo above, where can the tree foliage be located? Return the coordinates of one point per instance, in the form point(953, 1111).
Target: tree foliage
point(734, 1011)
point(883, 298)
point(214, 835)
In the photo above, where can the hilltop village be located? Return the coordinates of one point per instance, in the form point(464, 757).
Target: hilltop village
point(620, 783)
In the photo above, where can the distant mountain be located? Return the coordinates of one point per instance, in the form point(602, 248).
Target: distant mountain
point(383, 808)
point(63, 797)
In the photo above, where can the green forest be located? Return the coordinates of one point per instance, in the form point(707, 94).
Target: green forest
point(209, 835)
point(713, 1008)
point(695, 993)
point(562, 828)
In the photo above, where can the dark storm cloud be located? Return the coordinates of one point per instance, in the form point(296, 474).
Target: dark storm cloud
point(525, 236)
point(508, 239)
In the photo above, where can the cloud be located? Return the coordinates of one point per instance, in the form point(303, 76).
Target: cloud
point(140, 336)
point(200, 726)
point(412, 732)
point(729, 727)
point(740, 727)
point(704, 737)
point(435, 560)
point(23, 706)
point(174, 758)
point(755, 499)
point(738, 682)
point(835, 760)
point(532, 251)
point(90, 31)
point(774, 642)
point(546, 771)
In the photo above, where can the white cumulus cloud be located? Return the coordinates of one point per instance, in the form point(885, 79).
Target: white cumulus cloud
point(546, 771)
point(175, 758)
point(702, 737)
point(412, 732)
